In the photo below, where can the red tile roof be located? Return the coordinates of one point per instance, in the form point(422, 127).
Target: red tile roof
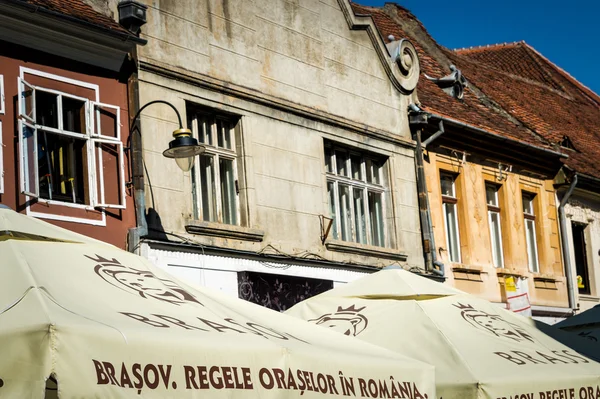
point(541, 95)
point(78, 9)
point(474, 109)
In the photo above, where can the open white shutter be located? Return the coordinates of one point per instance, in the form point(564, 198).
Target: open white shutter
point(1, 162)
point(26, 101)
point(108, 155)
point(2, 109)
point(28, 149)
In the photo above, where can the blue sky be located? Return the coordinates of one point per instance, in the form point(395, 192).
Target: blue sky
point(566, 32)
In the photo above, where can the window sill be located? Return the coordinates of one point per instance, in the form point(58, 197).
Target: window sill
point(510, 272)
point(367, 250)
point(546, 277)
point(459, 267)
point(200, 227)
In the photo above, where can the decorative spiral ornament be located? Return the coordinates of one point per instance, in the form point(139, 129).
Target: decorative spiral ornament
point(404, 55)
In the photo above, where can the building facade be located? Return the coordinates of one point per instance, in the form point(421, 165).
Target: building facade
point(488, 183)
point(308, 178)
point(566, 114)
point(64, 117)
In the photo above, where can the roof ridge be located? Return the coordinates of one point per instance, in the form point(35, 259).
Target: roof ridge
point(586, 90)
point(464, 50)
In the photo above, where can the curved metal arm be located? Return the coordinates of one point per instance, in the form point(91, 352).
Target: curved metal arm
point(162, 102)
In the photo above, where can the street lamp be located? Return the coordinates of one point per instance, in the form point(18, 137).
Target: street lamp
point(183, 148)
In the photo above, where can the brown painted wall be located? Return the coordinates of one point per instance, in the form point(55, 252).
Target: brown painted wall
point(113, 90)
point(476, 273)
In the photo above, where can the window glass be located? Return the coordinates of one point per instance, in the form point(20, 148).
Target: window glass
point(73, 115)
point(356, 205)
point(46, 109)
point(450, 216)
point(447, 183)
point(215, 174)
point(491, 194)
point(531, 246)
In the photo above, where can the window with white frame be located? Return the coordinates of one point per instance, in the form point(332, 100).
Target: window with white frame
point(1, 144)
point(356, 188)
point(491, 195)
point(67, 145)
point(450, 208)
point(530, 234)
point(215, 174)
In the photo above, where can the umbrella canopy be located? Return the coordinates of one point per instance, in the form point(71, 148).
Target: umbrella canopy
point(104, 323)
point(585, 324)
point(479, 349)
point(584, 344)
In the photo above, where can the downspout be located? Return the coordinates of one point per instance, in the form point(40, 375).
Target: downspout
point(137, 163)
point(431, 262)
point(565, 242)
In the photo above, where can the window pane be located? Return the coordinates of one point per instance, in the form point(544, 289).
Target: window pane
point(490, 194)
point(376, 216)
point(60, 164)
point(374, 170)
point(496, 236)
point(328, 159)
point(531, 246)
point(27, 102)
point(73, 114)
point(345, 216)
point(356, 169)
point(46, 109)
point(207, 180)
point(227, 136)
point(204, 131)
point(28, 158)
point(341, 158)
point(527, 204)
point(360, 225)
point(228, 194)
point(447, 183)
point(452, 232)
point(332, 213)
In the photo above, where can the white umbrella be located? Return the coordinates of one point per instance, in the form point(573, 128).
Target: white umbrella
point(104, 323)
point(479, 349)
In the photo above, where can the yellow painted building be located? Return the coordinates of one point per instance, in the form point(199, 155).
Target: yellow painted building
point(490, 224)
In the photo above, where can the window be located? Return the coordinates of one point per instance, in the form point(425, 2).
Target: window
point(215, 174)
point(449, 204)
point(530, 235)
point(1, 145)
point(581, 265)
point(67, 144)
point(356, 195)
point(491, 195)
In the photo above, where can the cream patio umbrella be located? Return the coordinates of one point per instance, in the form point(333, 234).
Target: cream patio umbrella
point(479, 349)
point(104, 323)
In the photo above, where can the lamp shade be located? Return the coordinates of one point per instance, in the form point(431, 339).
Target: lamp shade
point(183, 149)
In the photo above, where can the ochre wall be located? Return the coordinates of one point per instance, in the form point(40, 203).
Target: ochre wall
point(476, 273)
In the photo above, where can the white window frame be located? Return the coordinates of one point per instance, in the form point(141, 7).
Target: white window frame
point(93, 136)
point(495, 210)
point(531, 221)
point(2, 109)
point(336, 179)
point(1, 161)
point(216, 153)
point(453, 203)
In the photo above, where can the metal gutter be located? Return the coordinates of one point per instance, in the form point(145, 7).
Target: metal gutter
point(125, 37)
point(565, 242)
point(495, 135)
point(429, 247)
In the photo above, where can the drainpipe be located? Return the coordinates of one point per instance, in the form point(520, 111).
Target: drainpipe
point(565, 242)
point(431, 262)
point(137, 165)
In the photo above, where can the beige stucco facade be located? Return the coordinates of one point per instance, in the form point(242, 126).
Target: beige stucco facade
point(295, 75)
point(476, 272)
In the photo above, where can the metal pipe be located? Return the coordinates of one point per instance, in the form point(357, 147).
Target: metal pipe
point(436, 134)
point(425, 210)
point(565, 242)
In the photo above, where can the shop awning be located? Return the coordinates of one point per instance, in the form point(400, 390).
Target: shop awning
point(479, 349)
point(104, 323)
